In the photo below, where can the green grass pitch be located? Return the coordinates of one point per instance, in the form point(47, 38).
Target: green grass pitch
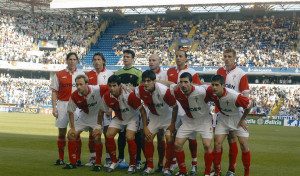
point(28, 147)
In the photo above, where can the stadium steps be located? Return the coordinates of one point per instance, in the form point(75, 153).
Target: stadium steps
point(192, 32)
point(173, 61)
point(173, 45)
point(106, 43)
point(195, 45)
point(276, 108)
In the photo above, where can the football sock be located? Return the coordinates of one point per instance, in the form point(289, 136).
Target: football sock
point(61, 143)
point(169, 154)
point(180, 156)
point(78, 148)
point(111, 146)
point(98, 148)
point(72, 151)
point(121, 144)
point(149, 150)
point(246, 158)
point(208, 158)
point(233, 153)
point(193, 150)
point(132, 152)
point(217, 156)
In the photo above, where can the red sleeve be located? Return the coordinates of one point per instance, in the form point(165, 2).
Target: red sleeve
point(103, 89)
point(169, 98)
point(92, 78)
point(242, 101)
point(209, 95)
point(196, 79)
point(244, 85)
point(134, 101)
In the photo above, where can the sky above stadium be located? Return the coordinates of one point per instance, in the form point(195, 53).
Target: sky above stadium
point(136, 3)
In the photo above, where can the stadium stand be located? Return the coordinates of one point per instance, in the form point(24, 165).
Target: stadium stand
point(21, 33)
point(24, 92)
point(108, 40)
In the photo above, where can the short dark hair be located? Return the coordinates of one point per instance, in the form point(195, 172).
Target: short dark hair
point(230, 50)
point(148, 74)
point(187, 75)
point(86, 79)
point(129, 52)
point(102, 57)
point(183, 52)
point(114, 79)
point(70, 54)
point(218, 78)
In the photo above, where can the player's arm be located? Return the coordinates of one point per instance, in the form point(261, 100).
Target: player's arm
point(54, 99)
point(166, 83)
point(247, 104)
point(173, 121)
point(97, 130)
point(71, 109)
point(147, 133)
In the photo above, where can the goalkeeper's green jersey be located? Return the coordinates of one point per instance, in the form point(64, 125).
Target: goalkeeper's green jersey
point(130, 77)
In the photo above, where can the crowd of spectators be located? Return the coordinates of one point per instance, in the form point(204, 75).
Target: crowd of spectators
point(152, 37)
point(21, 33)
point(267, 97)
point(24, 92)
point(264, 42)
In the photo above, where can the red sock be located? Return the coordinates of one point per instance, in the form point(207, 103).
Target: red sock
point(91, 144)
point(111, 147)
point(193, 150)
point(106, 150)
point(174, 161)
point(246, 158)
point(217, 156)
point(208, 158)
point(78, 148)
point(181, 160)
point(161, 147)
point(72, 152)
point(233, 153)
point(98, 148)
point(61, 143)
point(132, 149)
point(169, 154)
point(149, 150)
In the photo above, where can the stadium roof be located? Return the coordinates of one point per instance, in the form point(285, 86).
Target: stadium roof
point(155, 3)
point(143, 6)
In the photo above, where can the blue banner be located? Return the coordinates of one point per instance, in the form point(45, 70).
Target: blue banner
point(27, 110)
point(213, 70)
point(185, 41)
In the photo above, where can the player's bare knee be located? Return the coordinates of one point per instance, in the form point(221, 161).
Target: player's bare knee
point(169, 139)
point(178, 146)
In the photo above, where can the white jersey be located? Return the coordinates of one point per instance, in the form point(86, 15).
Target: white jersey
point(100, 78)
point(161, 75)
point(195, 105)
point(89, 104)
point(126, 106)
point(159, 102)
point(235, 79)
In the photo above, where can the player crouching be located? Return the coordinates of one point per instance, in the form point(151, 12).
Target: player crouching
point(126, 106)
point(87, 98)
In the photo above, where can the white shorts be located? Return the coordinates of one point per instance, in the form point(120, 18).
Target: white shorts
point(86, 121)
point(156, 123)
point(226, 124)
point(190, 128)
point(214, 120)
point(131, 124)
point(63, 116)
point(106, 120)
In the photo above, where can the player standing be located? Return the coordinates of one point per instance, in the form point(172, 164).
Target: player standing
point(173, 75)
point(230, 118)
point(63, 84)
point(197, 119)
point(99, 76)
point(87, 98)
point(236, 79)
point(154, 63)
point(126, 106)
point(132, 77)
